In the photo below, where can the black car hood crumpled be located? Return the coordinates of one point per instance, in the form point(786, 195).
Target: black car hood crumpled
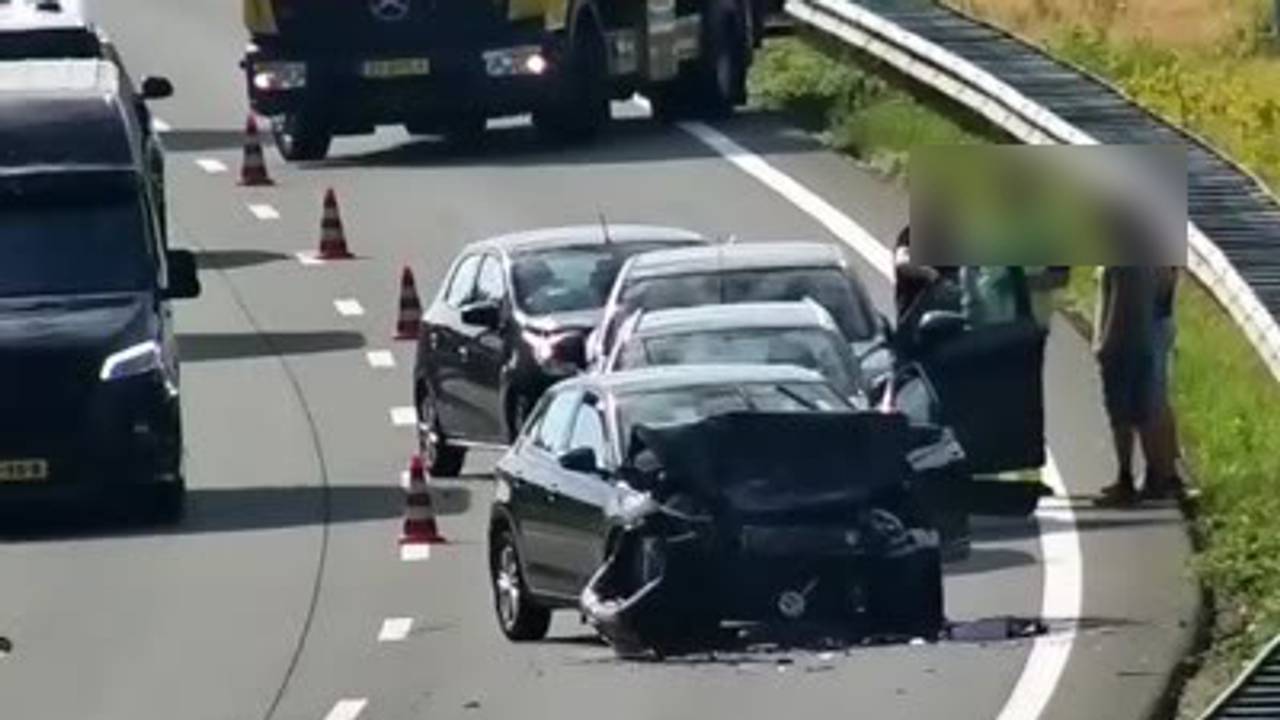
point(766, 463)
point(90, 323)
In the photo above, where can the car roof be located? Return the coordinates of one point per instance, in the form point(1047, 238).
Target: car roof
point(676, 377)
point(762, 315)
point(576, 235)
point(28, 15)
point(735, 256)
point(56, 113)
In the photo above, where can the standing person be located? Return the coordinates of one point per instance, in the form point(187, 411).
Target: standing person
point(1124, 343)
point(1162, 480)
point(910, 280)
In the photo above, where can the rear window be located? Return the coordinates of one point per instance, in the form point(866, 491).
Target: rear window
point(829, 287)
point(73, 233)
point(571, 278)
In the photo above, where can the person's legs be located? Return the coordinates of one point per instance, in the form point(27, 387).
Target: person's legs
point(1160, 441)
point(1118, 390)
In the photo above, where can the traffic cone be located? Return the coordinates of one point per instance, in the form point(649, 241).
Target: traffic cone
point(419, 515)
point(410, 317)
point(333, 241)
point(253, 169)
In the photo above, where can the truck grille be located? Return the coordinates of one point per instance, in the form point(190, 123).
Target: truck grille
point(350, 26)
point(44, 398)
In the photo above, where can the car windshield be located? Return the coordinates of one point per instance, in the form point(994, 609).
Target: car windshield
point(570, 278)
point(829, 287)
point(810, 348)
point(690, 404)
point(72, 233)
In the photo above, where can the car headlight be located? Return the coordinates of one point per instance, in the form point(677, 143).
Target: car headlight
point(546, 349)
point(133, 360)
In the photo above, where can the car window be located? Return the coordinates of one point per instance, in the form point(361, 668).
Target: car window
point(489, 283)
point(553, 429)
point(570, 278)
point(463, 281)
point(588, 431)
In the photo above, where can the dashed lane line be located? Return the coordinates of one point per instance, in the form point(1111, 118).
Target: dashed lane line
point(381, 359)
point(403, 416)
point(262, 211)
point(159, 125)
point(212, 166)
point(347, 709)
point(348, 307)
point(308, 258)
point(395, 629)
point(415, 552)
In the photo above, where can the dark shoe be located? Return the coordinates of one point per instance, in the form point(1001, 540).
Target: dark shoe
point(1120, 493)
point(1166, 489)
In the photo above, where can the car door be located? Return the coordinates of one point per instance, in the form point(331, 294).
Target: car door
point(579, 499)
point(544, 538)
point(986, 364)
point(445, 352)
point(485, 353)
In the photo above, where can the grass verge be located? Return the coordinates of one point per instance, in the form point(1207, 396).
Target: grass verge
point(1227, 402)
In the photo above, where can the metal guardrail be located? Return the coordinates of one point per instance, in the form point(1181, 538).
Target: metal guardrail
point(1256, 693)
point(1040, 100)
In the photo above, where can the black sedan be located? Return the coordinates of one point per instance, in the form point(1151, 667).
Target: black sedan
point(509, 321)
point(618, 499)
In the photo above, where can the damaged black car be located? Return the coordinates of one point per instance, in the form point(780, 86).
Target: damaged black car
point(661, 502)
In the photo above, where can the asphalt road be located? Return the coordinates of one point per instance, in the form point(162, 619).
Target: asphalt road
point(283, 594)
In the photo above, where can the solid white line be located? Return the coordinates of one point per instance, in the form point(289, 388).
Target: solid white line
point(404, 415)
point(308, 258)
point(381, 359)
point(159, 125)
point(347, 709)
point(395, 629)
point(263, 211)
point(348, 307)
point(1063, 595)
point(414, 552)
point(211, 165)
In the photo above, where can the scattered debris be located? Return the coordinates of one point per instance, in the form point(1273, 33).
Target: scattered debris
point(471, 705)
point(6, 647)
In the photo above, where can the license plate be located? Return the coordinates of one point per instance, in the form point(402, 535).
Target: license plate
point(28, 470)
point(407, 67)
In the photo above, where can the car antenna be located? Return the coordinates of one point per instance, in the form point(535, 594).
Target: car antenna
point(604, 227)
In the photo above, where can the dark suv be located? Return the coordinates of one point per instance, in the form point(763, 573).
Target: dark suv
point(509, 321)
point(88, 363)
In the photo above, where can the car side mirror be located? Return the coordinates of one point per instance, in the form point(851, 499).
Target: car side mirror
point(156, 88)
point(483, 314)
point(183, 281)
point(581, 460)
point(936, 324)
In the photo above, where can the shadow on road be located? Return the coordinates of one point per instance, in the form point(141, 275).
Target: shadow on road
point(215, 510)
point(232, 259)
point(982, 560)
point(198, 347)
point(206, 139)
point(1086, 521)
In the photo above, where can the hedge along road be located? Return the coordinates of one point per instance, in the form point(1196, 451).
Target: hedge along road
point(283, 594)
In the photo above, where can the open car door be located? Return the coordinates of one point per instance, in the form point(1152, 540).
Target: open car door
point(979, 343)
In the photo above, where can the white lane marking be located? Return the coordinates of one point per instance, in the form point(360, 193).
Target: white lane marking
point(308, 258)
point(836, 222)
point(404, 479)
point(381, 359)
point(211, 165)
point(395, 629)
point(347, 709)
point(1063, 594)
point(262, 211)
point(404, 415)
point(159, 125)
point(414, 552)
point(348, 307)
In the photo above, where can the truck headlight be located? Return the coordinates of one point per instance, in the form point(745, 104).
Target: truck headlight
point(277, 76)
point(133, 360)
point(523, 60)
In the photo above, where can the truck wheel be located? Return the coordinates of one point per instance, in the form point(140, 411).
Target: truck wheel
point(579, 107)
point(301, 136)
point(721, 79)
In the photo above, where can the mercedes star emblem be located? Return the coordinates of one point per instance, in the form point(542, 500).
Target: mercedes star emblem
point(389, 10)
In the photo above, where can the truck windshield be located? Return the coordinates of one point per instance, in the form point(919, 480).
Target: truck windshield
point(570, 278)
point(72, 233)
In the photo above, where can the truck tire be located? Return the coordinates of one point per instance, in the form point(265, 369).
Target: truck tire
point(302, 136)
point(579, 106)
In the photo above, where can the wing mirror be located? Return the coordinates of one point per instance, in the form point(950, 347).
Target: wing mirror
point(182, 282)
point(156, 88)
point(483, 313)
point(581, 460)
point(936, 324)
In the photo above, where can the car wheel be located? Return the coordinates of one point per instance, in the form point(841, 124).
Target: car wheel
point(301, 136)
point(168, 502)
point(519, 616)
point(440, 458)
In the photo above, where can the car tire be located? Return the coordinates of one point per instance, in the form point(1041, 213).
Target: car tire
point(579, 106)
point(440, 457)
point(518, 410)
point(302, 136)
point(519, 616)
point(168, 502)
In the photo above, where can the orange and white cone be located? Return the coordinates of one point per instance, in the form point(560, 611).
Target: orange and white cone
point(253, 169)
point(409, 318)
point(333, 240)
point(419, 515)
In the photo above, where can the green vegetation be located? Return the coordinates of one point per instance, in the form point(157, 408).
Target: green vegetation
point(1226, 399)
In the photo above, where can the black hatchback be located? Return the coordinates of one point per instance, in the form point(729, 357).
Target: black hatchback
point(509, 321)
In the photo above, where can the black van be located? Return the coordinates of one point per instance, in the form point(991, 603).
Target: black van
point(89, 403)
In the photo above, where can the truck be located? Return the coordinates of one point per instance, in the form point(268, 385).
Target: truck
point(323, 68)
